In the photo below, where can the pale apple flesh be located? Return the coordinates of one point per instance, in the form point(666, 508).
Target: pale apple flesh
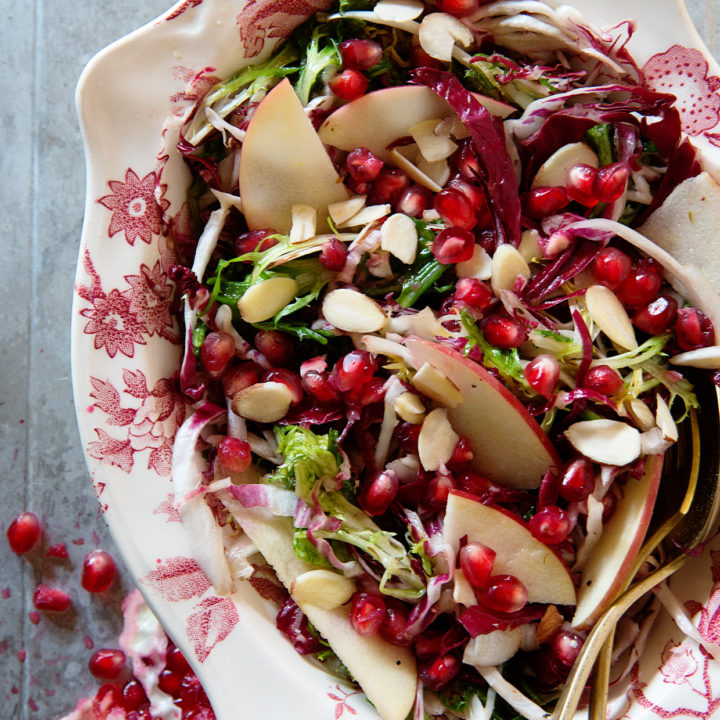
point(509, 446)
point(611, 560)
point(517, 551)
point(284, 163)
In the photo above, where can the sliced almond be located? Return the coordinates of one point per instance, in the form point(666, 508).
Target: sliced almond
point(433, 143)
point(433, 384)
point(438, 172)
point(507, 265)
point(436, 440)
point(610, 316)
point(400, 237)
point(553, 172)
point(439, 32)
point(398, 10)
point(665, 420)
point(304, 223)
point(463, 592)
point(342, 211)
point(610, 442)
point(493, 648)
point(266, 299)
point(479, 266)
point(529, 247)
point(404, 158)
point(323, 588)
point(368, 214)
point(263, 402)
point(707, 357)
point(351, 311)
point(409, 408)
point(640, 413)
point(652, 441)
point(549, 624)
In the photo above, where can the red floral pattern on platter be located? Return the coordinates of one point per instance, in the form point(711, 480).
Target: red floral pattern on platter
point(341, 698)
point(167, 507)
point(149, 426)
point(197, 85)
point(262, 20)
point(120, 319)
point(178, 578)
point(180, 9)
point(683, 72)
point(213, 620)
point(137, 206)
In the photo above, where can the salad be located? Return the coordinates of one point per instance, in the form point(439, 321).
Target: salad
point(435, 346)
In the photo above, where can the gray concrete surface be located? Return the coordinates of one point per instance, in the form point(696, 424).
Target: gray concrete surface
point(44, 45)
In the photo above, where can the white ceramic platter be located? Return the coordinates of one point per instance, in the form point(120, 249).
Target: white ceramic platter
point(126, 350)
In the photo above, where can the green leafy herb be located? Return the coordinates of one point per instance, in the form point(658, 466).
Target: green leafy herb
point(425, 271)
point(306, 551)
point(198, 336)
point(600, 139)
point(321, 55)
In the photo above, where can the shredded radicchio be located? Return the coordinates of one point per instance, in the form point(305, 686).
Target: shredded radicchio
point(478, 620)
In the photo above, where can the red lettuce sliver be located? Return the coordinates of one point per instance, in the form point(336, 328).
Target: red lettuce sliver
point(498, 176)
point(587, 347)
point(479, 620)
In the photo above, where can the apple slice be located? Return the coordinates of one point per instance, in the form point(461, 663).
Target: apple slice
point(517, 551)
point(284, 163)
point(386, 673)
point(612, 558)
point(379, 118)
point(509, 446)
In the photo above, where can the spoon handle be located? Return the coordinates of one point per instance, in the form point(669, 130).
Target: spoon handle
point(570, 698)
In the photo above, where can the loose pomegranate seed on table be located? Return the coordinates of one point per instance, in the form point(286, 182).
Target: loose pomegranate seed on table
point(542, 374)
point(333, 255)
point(504, 332)
point(278, 347)
point(107, 664)
point(476, 561)
point(504, 593)
point(349, 84)
point(551, 525)
point(455, 208)
point(611, 266)
point(657, 316)
point(23, 532)
point(363, 165)
point(50, 599)
point(544, 201)
point(603, 379)
point(580, 184)
point(360, 54)
point(234, 455)
point(216, 352)
point(367, 613)
point(577, 480)
point(453, 245)
point(98, 571)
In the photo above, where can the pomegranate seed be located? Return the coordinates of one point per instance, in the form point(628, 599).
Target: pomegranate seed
point(333, 255)
point(438, 490)
point(317, 385)
point(474, 484)
point(98, 571)
point(58, 551)
point(639, 287)
point(462, 454)
point(134, 695)
point(288, 378)
point(603, 379)
point(610, 182)
point(360, 54)
point(542, 374)
point(50, 599)
point(354, 369)
point(505, 593)
point(428, 644)
point(107, 664)
point(255, 241)
point(651, 264)
point(234, 455)
point(349, 84)
point(372, 392)
point(476, 561)
point(389, 183)
point(455, 208)
point(170, 683)
point(611, 266)
point(544, 201)
point(240, 377)
point(504, 332)
point(278, 347)
point(107, 698)
point(363, 165)
point(23, 532)
point(439, 672)
point(413, 200)
point(458, 8)
point(550, 525)
point(474, 293)
point(657, 316)
point(367, 613)
point(394, 624)
point(176, 661)
point(564, 648)
point(468, 164)
point(407, 435)
point(453, 245)
point(577, 480)
point(379, 492)
point(693, 329)
point(419, 58)
point(580, 184)
point(217, 351)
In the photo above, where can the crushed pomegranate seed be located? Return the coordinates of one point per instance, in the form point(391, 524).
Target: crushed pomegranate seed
point(504, 332)
point(288, 378)
point(240, 377)
point(367, 613)
point(505, 593)
point(216, 352)
point(577, 480)
point(333, 255)
point(542, 374)
point(255, 241)
point(580, 184)
point(610, 182)
point(603, 379)
point(455, 208)
point(58, 551)
point(476, 561)
point(23, 533)
point(657, 316)
point(349, 84)
point(50, 599)
point(473, 292)
point(413, 200)
point(439, 672)
point(458, 8)
point(639, 287)
point(550, 525)
point(544, 201)
point(377, 494)
point(234, 455)
point(107, 664)
point(363, 165)
point(611, 266)
point(389, 183)
point(453, 245)
point(360, 54)
point(693, 329)
point(98, 571)
point(278, 347)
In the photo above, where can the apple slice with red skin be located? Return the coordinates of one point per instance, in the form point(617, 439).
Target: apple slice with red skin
point(509, 446)
point(517, 551)
point(611, 560)
point(284, 163)
point(379, 118)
